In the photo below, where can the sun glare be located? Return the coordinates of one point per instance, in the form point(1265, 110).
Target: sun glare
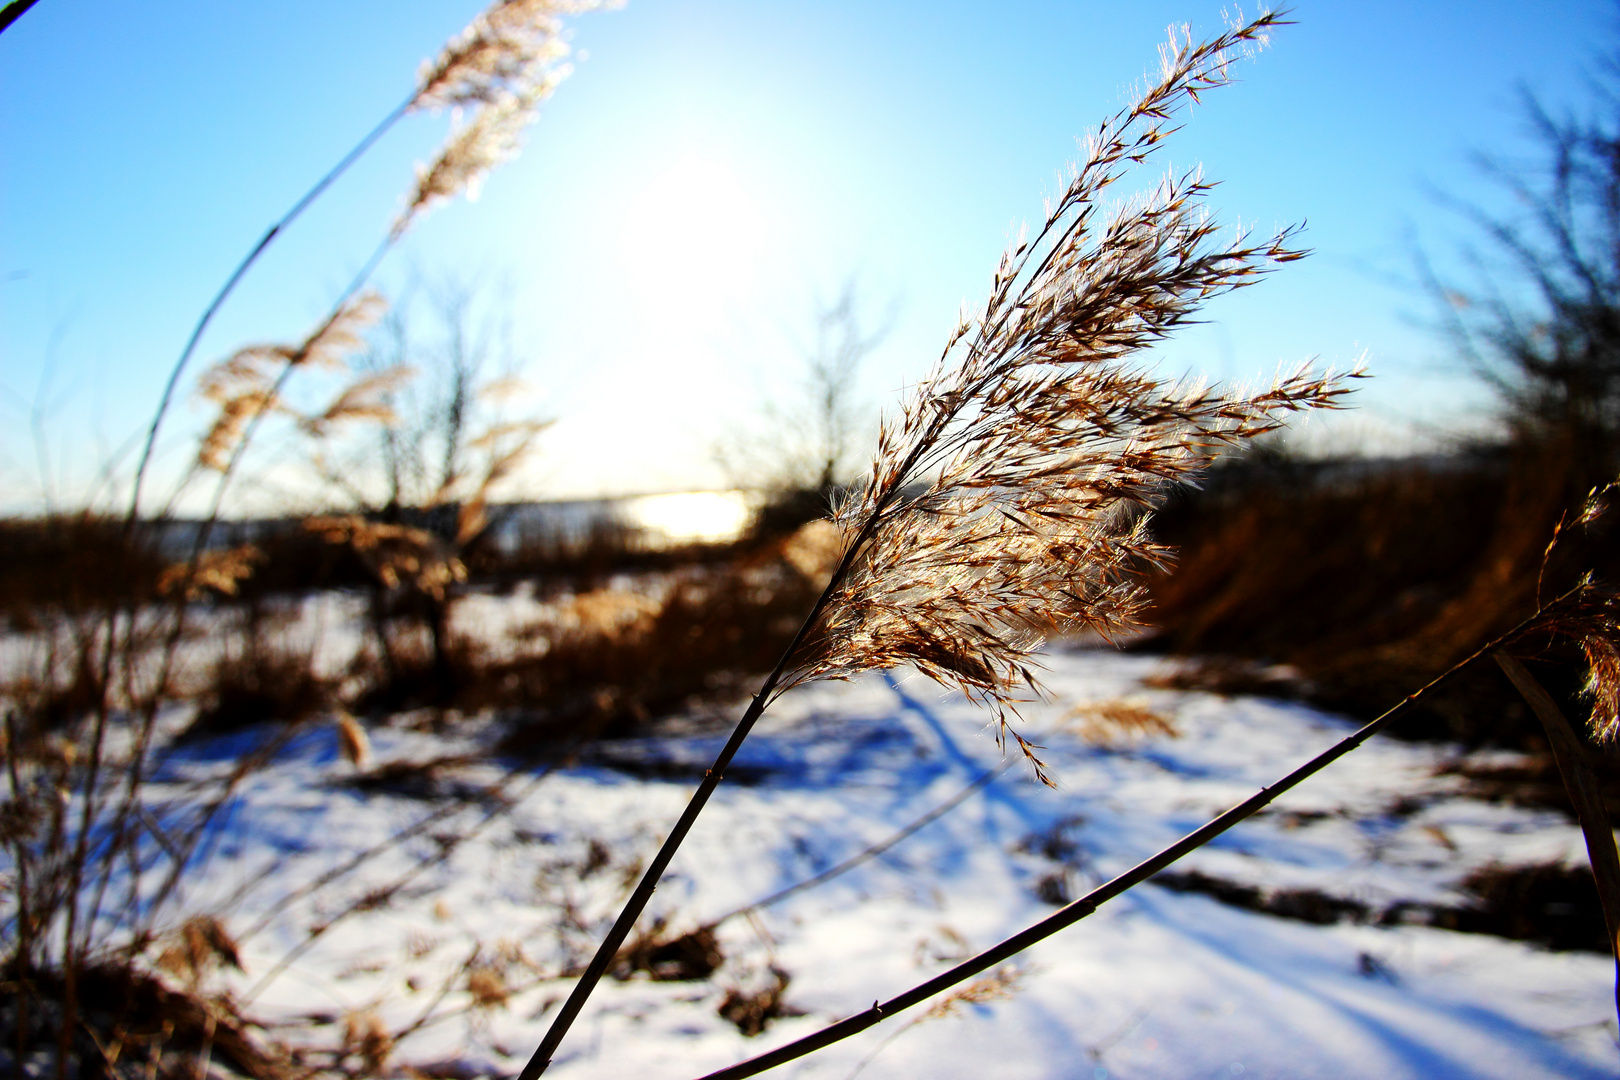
point(691, 516)
point(693, 230)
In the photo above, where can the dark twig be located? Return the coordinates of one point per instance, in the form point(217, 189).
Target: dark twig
point(230, 286)
point(1072, 913)
point(1584, 791)
point(1042, 416)
point(660, 862)
point(14, 11)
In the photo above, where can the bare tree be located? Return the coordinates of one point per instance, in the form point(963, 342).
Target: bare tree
point(1539, 317)
point(803, 450)
point(418, 485)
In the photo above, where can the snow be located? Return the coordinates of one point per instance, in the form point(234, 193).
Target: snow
point(1156, 984)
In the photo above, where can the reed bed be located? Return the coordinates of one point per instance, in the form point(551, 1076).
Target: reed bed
point(107, 968)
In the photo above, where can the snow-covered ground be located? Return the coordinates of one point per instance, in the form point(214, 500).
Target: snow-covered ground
point(1156, 984)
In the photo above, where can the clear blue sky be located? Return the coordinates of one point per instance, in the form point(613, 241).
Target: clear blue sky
point(710, 170)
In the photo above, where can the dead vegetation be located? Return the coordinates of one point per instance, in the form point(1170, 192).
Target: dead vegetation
point(624, 659)
point(752, 1009)
point(1350, 582)
point(1550, 904)
point(1006, 505)
point(108, 967)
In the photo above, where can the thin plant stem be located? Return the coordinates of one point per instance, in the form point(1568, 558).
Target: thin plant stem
point(25, 945)
point(861, 1065)
point(200, 542)
point(501, 806)
point(711, 779)
point(14, 11)
point(230, 286)
point(87, 816)
point(200, 545)
point(1072, 913)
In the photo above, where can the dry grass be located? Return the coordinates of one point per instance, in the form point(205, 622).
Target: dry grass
point(71, 565)
point(260, 679)
point(619, 660)
point(1005, 502)
point(1361, 582)
point(106, 969)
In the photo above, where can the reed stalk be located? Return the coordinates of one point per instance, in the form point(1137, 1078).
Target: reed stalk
point(512, 52)
point(1007, 501)
point(1086, 905)
point(502, 67)
point(229, 286)
point(14, 11)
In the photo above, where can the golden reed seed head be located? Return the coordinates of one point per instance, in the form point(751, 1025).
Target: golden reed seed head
point(368, 397)
point(396, 554)
point(504, 64)
point(494, 134)
point(1589, 616)
point(353, 742)
point(508, 48)
point(244, 385)
point(1007, 500)
point(221, 572)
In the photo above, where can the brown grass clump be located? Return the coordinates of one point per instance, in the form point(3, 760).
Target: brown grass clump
point(1107, 722)
point(71, 564)
point(200, 945)
point(218, 573)
point(752, 1010)
point(1351, 583)
point(130, 1024)
point(260, 683)
point(366, 1036)
point(617, 660)
point(487, 987)
point(395, 554)
point(663, 957)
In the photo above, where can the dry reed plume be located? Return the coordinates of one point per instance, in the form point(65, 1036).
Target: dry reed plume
point(493, 135)
point(508, 60)
point(1005, 504)
point(97, 860)
point(247, 385)
point(508, 50)
point(396, 554)
point(1589, 617)
point(1037, 440)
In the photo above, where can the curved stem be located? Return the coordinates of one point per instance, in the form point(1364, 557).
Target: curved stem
point(700, 798)
point(230, 286)
point(1079, 909)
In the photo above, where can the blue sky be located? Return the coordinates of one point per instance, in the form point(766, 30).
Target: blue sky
point(711, 171)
